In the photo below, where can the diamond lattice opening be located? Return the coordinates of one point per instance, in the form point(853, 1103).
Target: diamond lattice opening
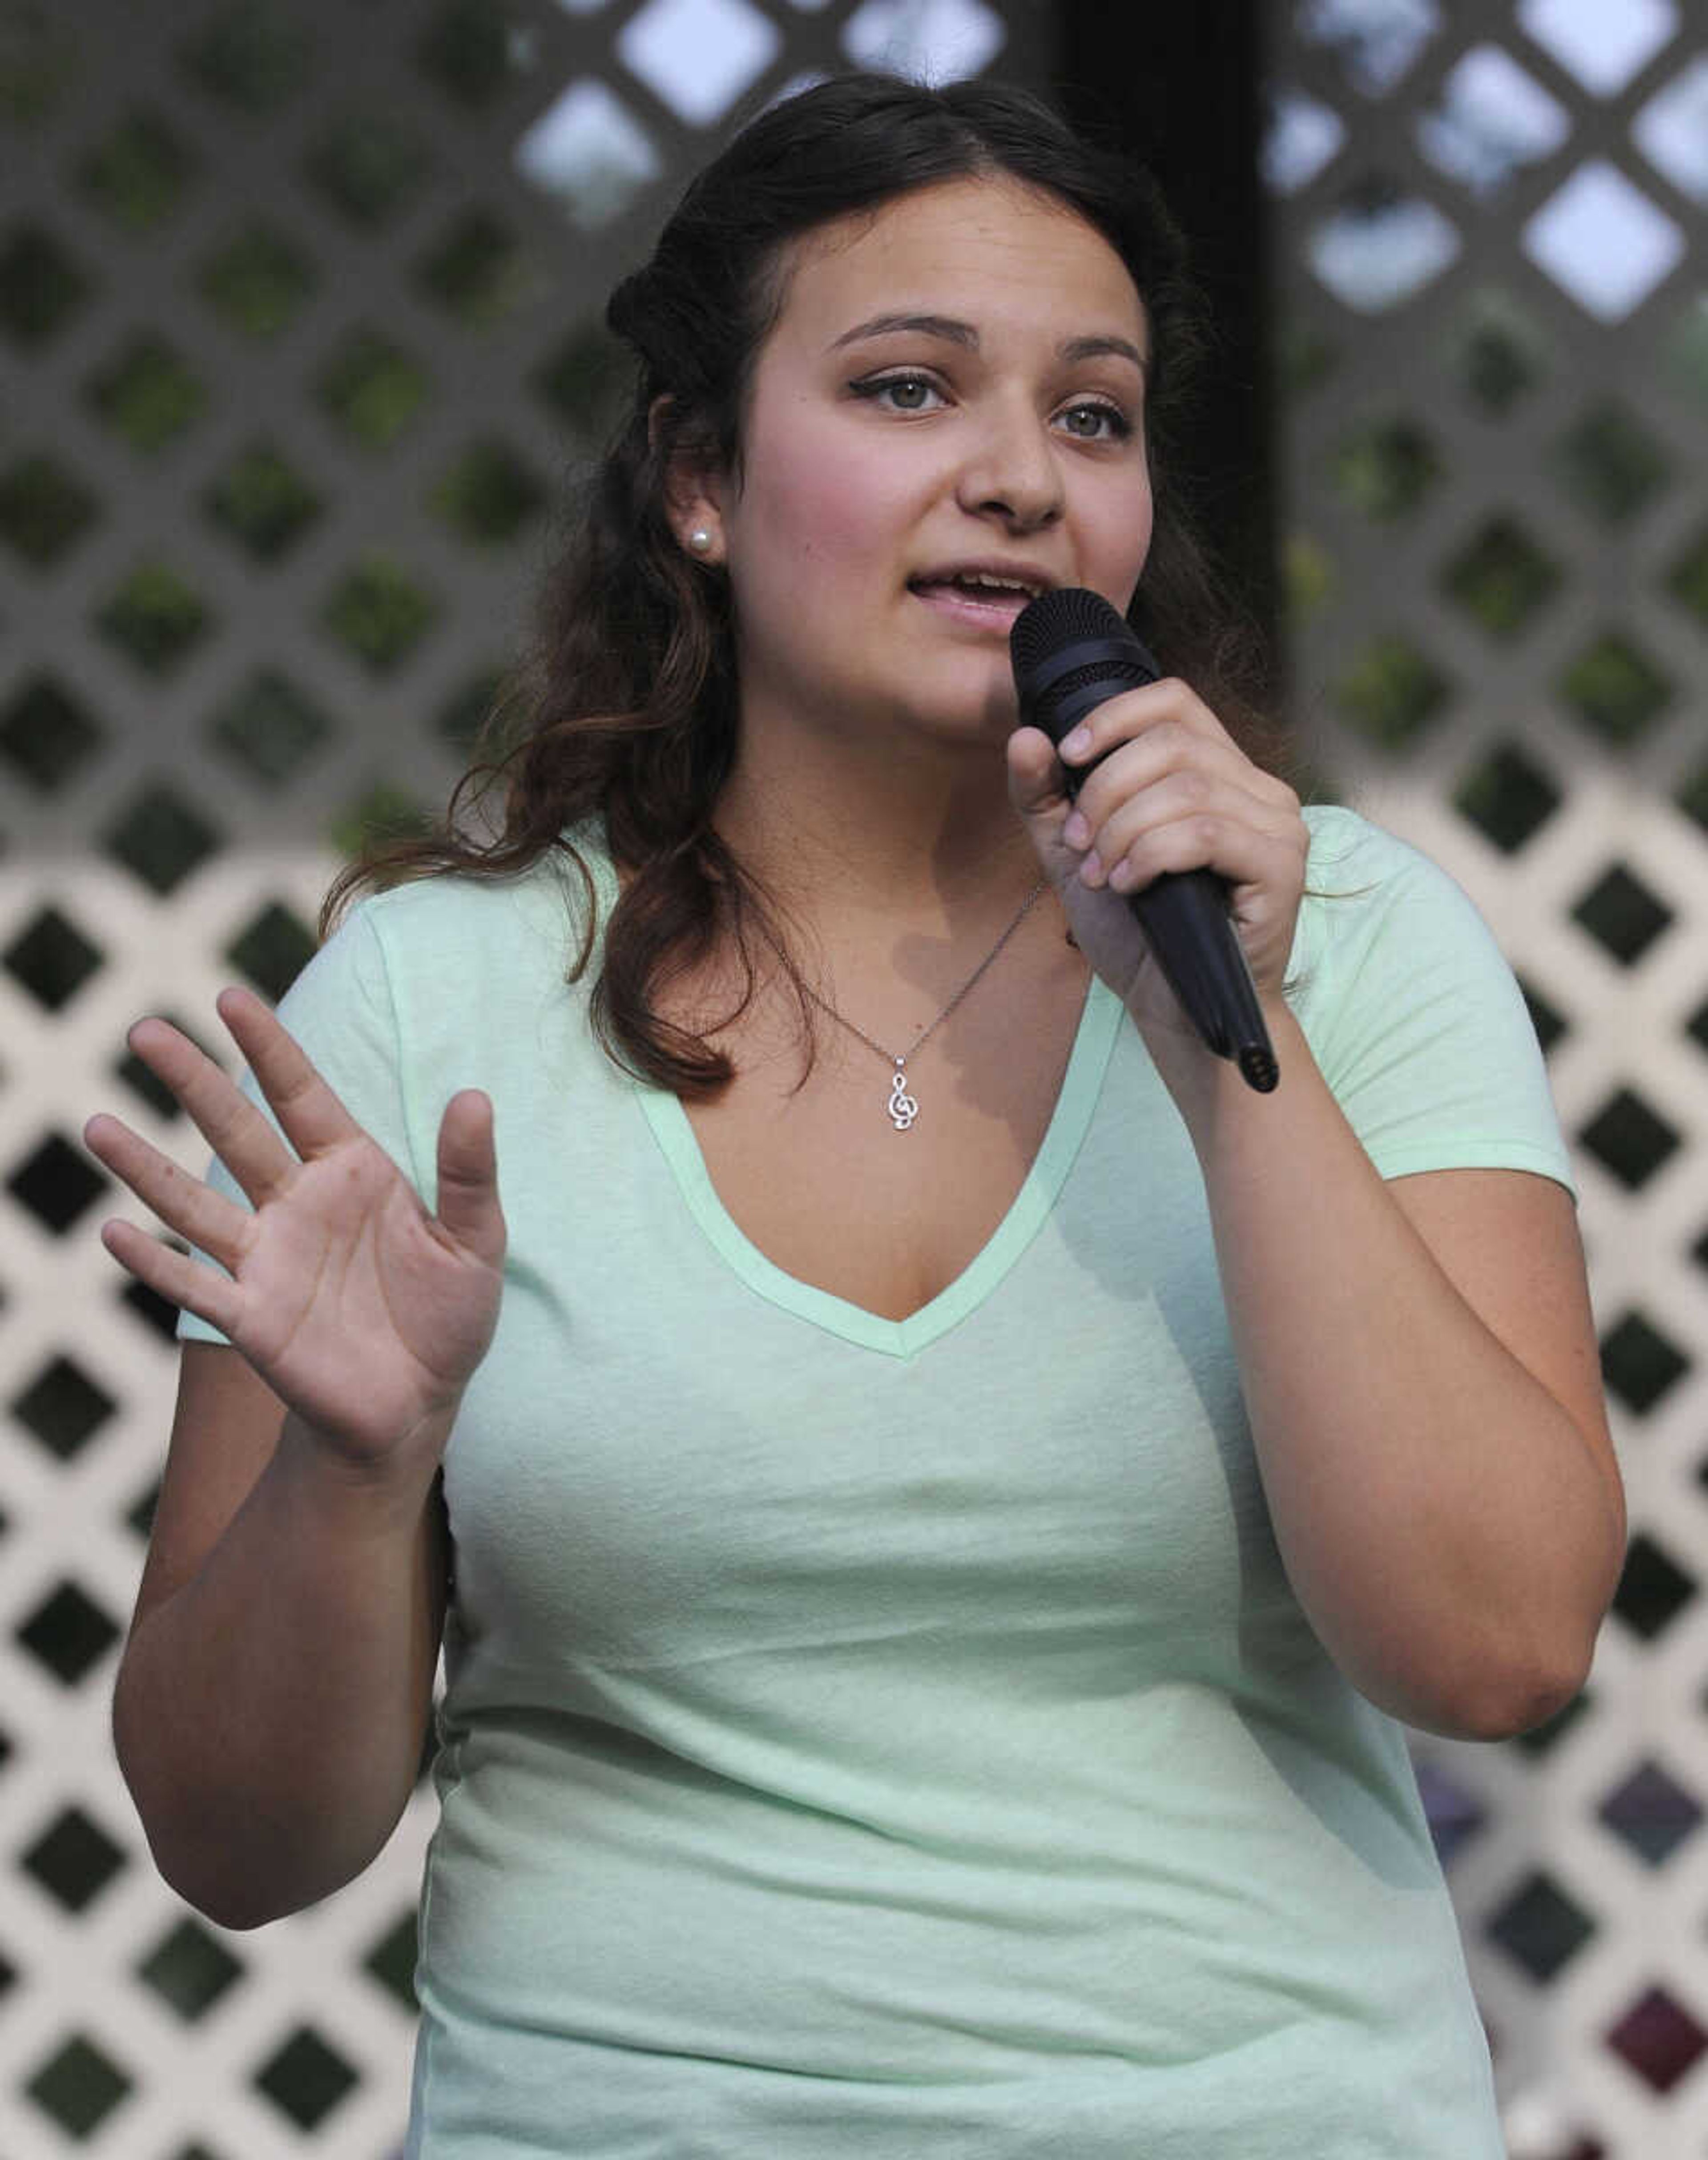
point(477, 271)
point(1603, 242)
point(1687, 581)
point(259, 283)
point(1302, 138)
point(1540, 1927)
point(1652, 1813)
point(67, 1634)
point(38, 59)
point(379, 613)
point(44, 510)
point(698, 56)
point(1657, 2038)
point(155, 618)
point(73, 1860)
point(384, 812)
point(369, 165)
point(1548, 1020)
point(1380, 247)
point(55, 1184)
point(139, 174)
point(1386, 470)
point(251, 56)
point(372, 388)
point(306, 2079)
point(45, 736)
point(473, 50)
point(273, 948)
point(589, 153)
point(392, 1962)
point(1629, 1139)
point(1490, 120)
point(928, 40)
point(1501, 578)
point(586, 382)
point(1622, 914)
point(261, 500)
point(63, 1409)
point(1391, 693)
point(1542, 1739)
point(1603, 47)
point(1672, 131)
point(79, 2087)
point(42, 285)
point(1376, 46)
point(1497, 354)
point(1654, 1589)
point(1639, 1363)
point(147, 394)
point(488, 495)
point(1611, 464)
point(160, 838)
point(1507, 796)
point(270, 728)
point(190, 1969)
point(156, 1313)
point(51, 958)
point(1615, 692)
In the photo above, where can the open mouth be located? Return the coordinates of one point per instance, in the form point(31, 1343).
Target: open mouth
point(973, 598)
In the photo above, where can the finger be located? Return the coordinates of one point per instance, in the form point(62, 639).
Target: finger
point(1235, 848)
point(1168, 747)
point(181, 1202)
point(468, 1208)
point(1133, 713)
point(313, 1118)
point(180, 1281)
point(1220, 809)
point(236, 1131)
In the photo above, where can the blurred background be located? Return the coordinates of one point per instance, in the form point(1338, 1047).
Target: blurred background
point(299, 347)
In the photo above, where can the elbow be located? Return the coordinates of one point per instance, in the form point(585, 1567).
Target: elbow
point(1510, 1690)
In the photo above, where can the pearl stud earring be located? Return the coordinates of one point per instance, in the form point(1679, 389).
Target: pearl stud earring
point(700, 540)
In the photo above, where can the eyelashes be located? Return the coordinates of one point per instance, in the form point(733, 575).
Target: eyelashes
point(900, 388)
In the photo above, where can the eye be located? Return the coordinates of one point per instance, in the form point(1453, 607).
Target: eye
point(1094, 422)
point(902, 394)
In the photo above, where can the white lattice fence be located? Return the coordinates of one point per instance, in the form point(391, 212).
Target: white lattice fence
point(1490, 259)
point(298, 332)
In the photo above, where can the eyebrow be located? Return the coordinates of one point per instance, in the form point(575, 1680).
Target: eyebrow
point(953, 332)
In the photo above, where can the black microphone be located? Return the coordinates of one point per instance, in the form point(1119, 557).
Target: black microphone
point(1071, 650)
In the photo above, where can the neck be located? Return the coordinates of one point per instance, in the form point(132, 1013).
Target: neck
point(842, 836)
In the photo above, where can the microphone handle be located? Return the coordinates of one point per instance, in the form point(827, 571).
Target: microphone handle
point(1184, 916)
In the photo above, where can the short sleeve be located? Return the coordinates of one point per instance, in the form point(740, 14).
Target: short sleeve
point(339, 1009)
point(1413, 1014)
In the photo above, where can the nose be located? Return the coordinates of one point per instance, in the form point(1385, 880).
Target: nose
point(1011, 472)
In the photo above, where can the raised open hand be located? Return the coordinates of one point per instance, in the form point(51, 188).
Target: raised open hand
point(363, 1313)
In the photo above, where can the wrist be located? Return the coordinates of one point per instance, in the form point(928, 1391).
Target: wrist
point(364, 1496)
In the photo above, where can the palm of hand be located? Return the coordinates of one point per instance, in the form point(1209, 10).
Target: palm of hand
point(360, 1311)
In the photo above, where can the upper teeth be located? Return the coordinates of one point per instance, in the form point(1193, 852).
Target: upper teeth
point(998, 584)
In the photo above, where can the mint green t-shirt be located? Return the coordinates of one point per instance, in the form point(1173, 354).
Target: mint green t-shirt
point(876, 1739)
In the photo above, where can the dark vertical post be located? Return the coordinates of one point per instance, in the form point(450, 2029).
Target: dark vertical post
point(1180, 88)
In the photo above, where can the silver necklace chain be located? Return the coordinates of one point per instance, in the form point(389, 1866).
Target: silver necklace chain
point(902, 1109)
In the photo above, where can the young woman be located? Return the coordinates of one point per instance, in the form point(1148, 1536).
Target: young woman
point(927, 1586)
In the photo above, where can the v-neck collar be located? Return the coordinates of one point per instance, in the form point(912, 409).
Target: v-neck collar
point(1095, 1039)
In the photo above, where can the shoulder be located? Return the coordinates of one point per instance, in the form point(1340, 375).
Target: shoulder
point(439, 926)
point(1369, 893)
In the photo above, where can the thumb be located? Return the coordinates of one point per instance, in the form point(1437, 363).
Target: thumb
point(468, 1176)
point(1035, 791)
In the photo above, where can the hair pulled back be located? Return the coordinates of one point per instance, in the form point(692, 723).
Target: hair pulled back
point(625, 707)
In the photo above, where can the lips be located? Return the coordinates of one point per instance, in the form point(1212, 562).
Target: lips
point(988, 595)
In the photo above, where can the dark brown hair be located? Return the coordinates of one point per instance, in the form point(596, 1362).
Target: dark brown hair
point(625, 708)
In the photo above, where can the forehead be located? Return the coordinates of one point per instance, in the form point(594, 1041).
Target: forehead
point(992, 252)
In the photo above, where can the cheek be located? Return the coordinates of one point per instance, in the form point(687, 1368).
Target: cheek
point(830, 504)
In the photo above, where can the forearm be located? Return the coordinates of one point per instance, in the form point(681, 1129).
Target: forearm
point(1451, 1531)
point(270, 1712)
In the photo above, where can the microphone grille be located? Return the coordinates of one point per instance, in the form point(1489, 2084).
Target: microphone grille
point(1058, 619)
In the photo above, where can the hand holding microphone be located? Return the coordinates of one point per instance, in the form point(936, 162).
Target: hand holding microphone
point(1073, 651)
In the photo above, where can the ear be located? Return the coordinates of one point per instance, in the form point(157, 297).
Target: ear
point(694, 490)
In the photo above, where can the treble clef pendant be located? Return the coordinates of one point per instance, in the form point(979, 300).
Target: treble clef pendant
point(903, 1110)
